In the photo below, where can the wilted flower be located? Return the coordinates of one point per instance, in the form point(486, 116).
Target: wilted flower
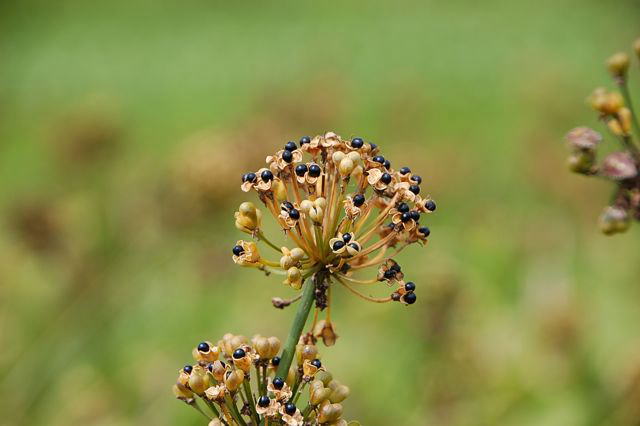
point(616, 111)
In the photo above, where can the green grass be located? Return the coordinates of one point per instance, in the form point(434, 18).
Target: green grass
point(476, 96)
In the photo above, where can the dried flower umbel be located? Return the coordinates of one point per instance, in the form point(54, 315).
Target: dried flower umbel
point(616, 111)
point(345, 212)
point(236, 379)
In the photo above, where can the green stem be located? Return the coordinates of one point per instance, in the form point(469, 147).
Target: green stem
point(263, 389)
point(234, 410)
point(197, 407)
point(299, 321)
point(252, 405)
point(627, 100)
point(211, 406)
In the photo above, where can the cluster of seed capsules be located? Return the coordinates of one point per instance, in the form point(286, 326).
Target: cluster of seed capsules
point(615, 110)
point(343, 209)
point(236, 384)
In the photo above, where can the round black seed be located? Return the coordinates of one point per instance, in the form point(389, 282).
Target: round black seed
point(395, 296)
point(239, 353)
point(314, 170)
point(389, 274)
point(210, 367)
point(287, 205)
point(430, 205)
point(415, 189)
point(424, 231)
point(387, 164)
point(294, 214)
point(396, 267)
point(278, 383)
point(266, 175)
point(405, 217)
point(410, 298)
point(305, 139)
point(316, 363)
point(386, 178)
point(410, 286)
point(290, 408)
point(291, 146)
point(378, 159)
point(338, 245)
point(416, 179)
point(354, 246)
point(287, 156)
point(249, 177)
point(187, 369)
point(405, 170)
point(301, 169)
point(264, 401)
point(238, 250)
point(357, 143)
point(275, 360)
point(373, 146)
point(346, 237)
point(403, 207)
point(415, 215)
point(203, 347)
point(358, 200)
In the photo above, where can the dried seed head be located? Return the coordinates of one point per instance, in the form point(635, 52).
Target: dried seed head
point(339, 393)
point(583, 138)
point(330, 413)
point(619, 166)
point(618, 64)
point(198, 380)
point(326, 331)
point(233, 379)
point(182, 393)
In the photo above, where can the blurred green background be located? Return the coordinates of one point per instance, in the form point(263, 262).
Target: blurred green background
point(125, 127)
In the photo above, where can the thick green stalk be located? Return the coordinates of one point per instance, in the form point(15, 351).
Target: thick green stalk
point(289, 349)
point(252, 405)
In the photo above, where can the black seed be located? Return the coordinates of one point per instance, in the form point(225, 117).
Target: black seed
point(378, 159)
point(249, 177)
point(314, 170)
point(410, 298)
point(238, 250)
point(305, 139)
point(373, 146)
point(396, 267)
point(415, 189)
point(403, 207)
point(424, 231)
point(387, 164)
point(290, 408)
point(338, 245)
point(389, 274)
point(410, 286)
point(290, 146)
point(415, 215)
point(301, 169)
point(316, 363)
point(430, 205)
point(278, 383)
point(395, 296)
point(187, 369)
point(275, 361)
point(416, 179)
point(357, 143)
point(266, 175)
point(286, 206)
point(203, 347)
point(210, 367)
point(264, 401)
point(386, 178)
point(239, 353)
point(287, 156)
point(346, 237)
point(358, 200)
point(405, 217)
point(405, 170)
point(294, 214)
point(354, 246)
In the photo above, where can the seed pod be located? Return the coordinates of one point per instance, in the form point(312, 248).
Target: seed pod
point(243, 363)
point(306, 206)
point(326, 331)
point(287, 261)
point(618, 64)
point(274, 344)
point(294, 278)
point(292, 375)
point(306, 352)
point(581, 162)
point(261, 345)
point(316, 214)
point(615, 127)
point(233, 379)
point(318, 393)
point(320, 202)
point(354, 156)
point(325, 377)
point(346, 167)
point(624, 116)
point(182, 393)
point(297, 254)
point(279, 190)
point(218, 370)
point(338, 156)
point(357, 172)
point(339, 393)
point(198, 380)
point(619, 166)
point(614, 220)
point(330, 413)
point(211, 354)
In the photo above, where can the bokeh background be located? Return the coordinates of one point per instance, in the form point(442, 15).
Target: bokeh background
point(124, 129)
